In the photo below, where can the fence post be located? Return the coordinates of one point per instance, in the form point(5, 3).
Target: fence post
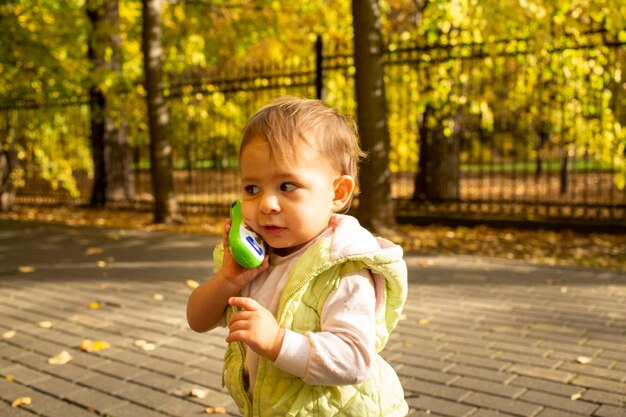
point(319, 71)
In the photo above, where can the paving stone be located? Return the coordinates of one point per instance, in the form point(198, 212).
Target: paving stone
point(552, 412)
point(559, 402)
point(489, 413)
point(481, 373)
point(542, 373)
point(610, 411)
point(58, 387)
point(543, 385)
point(492, 402)
point(603, 397)
point(488, 387)
point(68, 410)
point(434, 405)
point(9, 391)
point(601, 384)
point(419, 387)
point(100, 402)
point(592, 370)
point(134, 410)
point(7, 411)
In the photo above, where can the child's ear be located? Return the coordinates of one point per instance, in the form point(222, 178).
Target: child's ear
point(344, 187)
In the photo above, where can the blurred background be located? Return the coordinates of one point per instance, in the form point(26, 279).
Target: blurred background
point(492, 110)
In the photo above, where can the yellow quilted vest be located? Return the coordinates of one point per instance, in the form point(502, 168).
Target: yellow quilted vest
point(313, 277)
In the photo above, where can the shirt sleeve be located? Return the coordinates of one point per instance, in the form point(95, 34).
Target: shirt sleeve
point(342, 352)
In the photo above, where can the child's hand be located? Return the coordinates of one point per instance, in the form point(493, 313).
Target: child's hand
point(234, 272)
point(256, 327)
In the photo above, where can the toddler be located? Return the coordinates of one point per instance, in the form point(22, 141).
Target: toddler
point(306, 327)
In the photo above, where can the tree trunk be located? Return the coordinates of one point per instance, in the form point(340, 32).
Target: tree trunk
point(375, 209)
point(111, 153)
point(437, 176)
point(165, 205)
point(7, 191)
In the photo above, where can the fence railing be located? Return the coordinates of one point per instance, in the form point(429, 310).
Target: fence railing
point(527, 134)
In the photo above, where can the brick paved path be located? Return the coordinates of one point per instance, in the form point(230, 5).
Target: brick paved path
point(480, 337)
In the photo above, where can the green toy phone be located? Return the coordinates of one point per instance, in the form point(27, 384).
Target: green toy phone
point(246, 247)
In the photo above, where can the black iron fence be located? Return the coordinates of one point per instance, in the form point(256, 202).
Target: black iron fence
point(517, 131)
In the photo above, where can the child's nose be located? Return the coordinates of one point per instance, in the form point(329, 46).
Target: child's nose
point(269, 204)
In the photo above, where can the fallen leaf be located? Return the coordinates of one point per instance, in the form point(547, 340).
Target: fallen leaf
point(215, 410)
point(113, 236)
point(93, 251)
point(60, 359)
point(158, 297)
point(45, 324)
point(9, 334)
point(22, 401)
point(576, 396)
point(583, 359)
point(198, 393)
point(145, 346)
point(425, 263)
point(9, 378)
point(192, 283)
point(94, 346)
point(101, 264)
point(95, 305)
point(24, 269)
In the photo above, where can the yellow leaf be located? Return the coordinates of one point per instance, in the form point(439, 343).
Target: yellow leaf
point(45, 324)
point(95, 305)
point(60, 359)
point(425, 263)
point(583, 359)
point(9, 378)
point(101, 264)
point(113, 236)
point(192, 284)
point(94, 346)
point(21, 401)
point(24, 269)
point(145, 346)
point(158, 297)
point(215, 410)
point(9, 334)
point(94, 251)
point(576, 396)
point(198, 393)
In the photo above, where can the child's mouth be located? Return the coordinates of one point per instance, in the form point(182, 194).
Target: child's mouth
point(272, 230)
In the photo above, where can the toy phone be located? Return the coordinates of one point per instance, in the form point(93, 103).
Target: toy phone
point(246, 247)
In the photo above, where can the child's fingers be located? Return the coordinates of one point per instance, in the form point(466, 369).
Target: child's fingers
point(227, 224)
point(246, 303)
point(239, 317)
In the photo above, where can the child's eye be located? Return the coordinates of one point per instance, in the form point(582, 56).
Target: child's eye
point(251, 189)
point(288, 186)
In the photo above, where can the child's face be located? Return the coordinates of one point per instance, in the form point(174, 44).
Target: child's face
point(287, 202)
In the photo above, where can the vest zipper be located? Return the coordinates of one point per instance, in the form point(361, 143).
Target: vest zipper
point(242, 350)
point(291, 294)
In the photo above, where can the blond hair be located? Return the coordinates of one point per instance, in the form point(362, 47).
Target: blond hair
point(287, 122)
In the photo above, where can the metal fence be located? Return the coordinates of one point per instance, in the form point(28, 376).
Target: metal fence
point(533, 135)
